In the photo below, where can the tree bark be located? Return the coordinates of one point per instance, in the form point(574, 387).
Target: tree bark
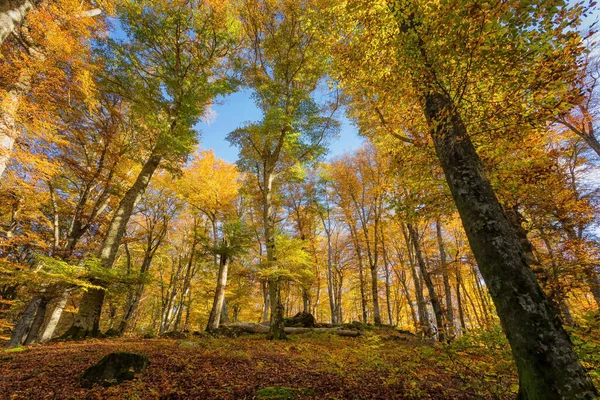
point(330, 286)
point(386, 267)
point(12, 14)
point(547, 365)
point(9, 131)
point(50, 327)
point(219, 301)
point(19, 333)
point(461, 310)
point(433, 297)
point(446, 278)
point(266, 301)
point(421, 306)
point(38, 321)
point(363, 297)
point(277, 309)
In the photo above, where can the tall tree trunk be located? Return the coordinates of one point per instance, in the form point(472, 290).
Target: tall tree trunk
point(363, 297)
point(8, 112)
point(413, 312)
point(461, 310)
point(433, 297)
point(266, 301)
point(421, 306)
point(277, 310)
point(224, 312)
point(330, 286)
point(375, 294)
point(386, 268)
point(476, 313)
point(547, 365)
point(219, 300)
point(446, 279)
point(23, 326)
point(131, 307)
point(50, 327)
point(87, 320)
point(38, 321)
point(305, 300)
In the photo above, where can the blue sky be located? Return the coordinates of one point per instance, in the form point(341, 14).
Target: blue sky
point(238, 108)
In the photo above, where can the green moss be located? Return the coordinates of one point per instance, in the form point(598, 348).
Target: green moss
point(16, 349)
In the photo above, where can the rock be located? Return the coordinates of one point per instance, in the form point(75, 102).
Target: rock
point(112, 332)
point(302, 319)
point(174, 335)
point(114, 369)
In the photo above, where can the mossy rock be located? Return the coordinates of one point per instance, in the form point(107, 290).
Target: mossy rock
point(226, 331)
point(355, 326)
point(174, 335)
point(114, 369)
point(282, 393)
point(301, 320)
point(111, 333)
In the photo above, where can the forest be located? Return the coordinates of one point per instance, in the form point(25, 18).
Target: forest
point(455, 254)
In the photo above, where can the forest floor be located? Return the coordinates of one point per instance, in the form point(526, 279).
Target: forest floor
point(376, 365)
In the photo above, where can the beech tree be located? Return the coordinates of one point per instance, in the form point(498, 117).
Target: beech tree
point(283, 66)
point(436, 75)
point(170, 90)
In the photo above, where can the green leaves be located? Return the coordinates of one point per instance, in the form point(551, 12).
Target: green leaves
point(171, 64)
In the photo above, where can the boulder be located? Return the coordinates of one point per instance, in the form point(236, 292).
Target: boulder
point(112, 332)
point(174, 335)
point(114, 369)
point(302, 319)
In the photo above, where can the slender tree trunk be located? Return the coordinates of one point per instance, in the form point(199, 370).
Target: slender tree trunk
point(421, 306)
point(219, 300)
point(413, 312)
point(433, 297)
point(461, 310)
point(87, 321)
point(547, 365)
point(446, 279)
point(330, 288)
point(386, 268)
point(363, 297)
point(131, 308)
point(481, 296)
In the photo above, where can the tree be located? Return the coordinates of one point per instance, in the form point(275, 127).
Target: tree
point(233, 243)
point(170, 90)
point(436, 75)
point(51, 49)
point(283, 65)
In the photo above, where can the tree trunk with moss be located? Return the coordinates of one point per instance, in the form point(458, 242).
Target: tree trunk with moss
point(547, 365)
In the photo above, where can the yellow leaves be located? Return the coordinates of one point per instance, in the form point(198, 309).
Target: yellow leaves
point(209, 184)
